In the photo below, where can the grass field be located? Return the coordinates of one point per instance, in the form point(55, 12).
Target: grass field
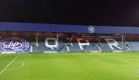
point(75, 66)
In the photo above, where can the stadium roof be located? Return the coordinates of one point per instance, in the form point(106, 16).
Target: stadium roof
point(38, 27)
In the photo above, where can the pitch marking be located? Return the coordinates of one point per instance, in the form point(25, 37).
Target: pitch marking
point(7, 65)
point(17, 66)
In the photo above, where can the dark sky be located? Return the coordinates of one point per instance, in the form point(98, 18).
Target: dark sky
point(82, 12)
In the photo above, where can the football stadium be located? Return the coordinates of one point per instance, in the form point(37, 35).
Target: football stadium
point(37, 51)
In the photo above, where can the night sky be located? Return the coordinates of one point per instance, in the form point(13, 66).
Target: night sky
point(78, 12)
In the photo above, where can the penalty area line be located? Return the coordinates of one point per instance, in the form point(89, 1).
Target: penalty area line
point(17, 66)
point(7, 65)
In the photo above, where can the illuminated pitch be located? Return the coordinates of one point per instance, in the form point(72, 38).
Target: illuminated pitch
point(74, 66)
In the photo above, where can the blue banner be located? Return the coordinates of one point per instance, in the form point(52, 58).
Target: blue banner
point(37, 27)
point(14, 44)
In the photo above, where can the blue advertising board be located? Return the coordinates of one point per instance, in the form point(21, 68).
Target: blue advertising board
point(14, 44)
point(41, 27)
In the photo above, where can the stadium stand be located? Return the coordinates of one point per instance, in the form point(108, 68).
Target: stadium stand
point(54, 38)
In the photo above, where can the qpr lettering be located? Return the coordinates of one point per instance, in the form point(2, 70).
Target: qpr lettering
point(13, 44)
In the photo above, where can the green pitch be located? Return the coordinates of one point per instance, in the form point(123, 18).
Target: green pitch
point(75, 66)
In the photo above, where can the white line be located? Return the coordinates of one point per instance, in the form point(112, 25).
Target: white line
point(7, 66)
point(17, 66)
